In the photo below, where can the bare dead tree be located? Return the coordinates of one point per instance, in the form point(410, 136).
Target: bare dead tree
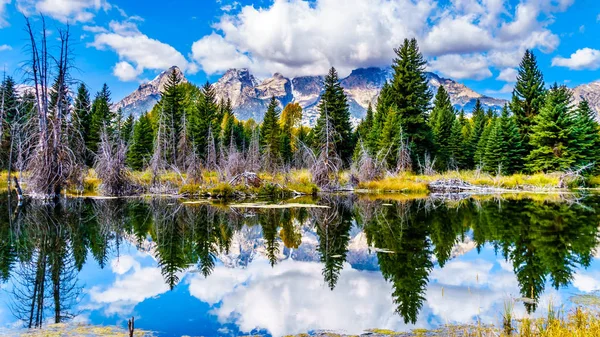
point(184, 146)
point(110, 166)
point(368, 168)
point(235, 160)
point(326, 165)
point(404, 162)
point(253, 155)
point(211, 152)
point(193, 166)
point(427, 165)
point(53, 162)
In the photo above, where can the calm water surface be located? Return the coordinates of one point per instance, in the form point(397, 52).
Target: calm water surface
point(202, 269)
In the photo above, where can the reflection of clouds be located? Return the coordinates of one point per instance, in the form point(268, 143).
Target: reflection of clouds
point(293, 298)
point(586, 281)
point(133, 285)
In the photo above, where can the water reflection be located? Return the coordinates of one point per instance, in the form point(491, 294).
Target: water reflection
point(44, 247)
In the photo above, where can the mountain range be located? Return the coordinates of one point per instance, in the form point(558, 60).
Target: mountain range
point(250, 95)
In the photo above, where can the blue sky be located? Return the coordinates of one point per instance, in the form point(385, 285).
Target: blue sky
point(478, 42)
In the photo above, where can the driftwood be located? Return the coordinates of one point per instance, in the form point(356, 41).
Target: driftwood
point(573, 175)
point(246, 178)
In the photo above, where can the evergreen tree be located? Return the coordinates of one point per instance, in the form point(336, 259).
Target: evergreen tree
point(528, 95)
point(140, 150)
point(364, 127)
point(205, 118)
point(492, 155)
point(455, 145)
point(172, 107)
point(442, 121)
point(227, 127)
point(587, 133)
point(512, 151)
point(479, 123)
point(409, 92)
point(9, 104)
point(384, 102)
point(127, 129)
point(553, 138)
point(334, 102)
point(100, 116)
point(480, 149)
point(82, 112)
point(270, 132)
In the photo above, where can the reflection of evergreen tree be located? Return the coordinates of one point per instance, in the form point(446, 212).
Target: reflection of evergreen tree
point(169, 244)
point(333, 228)
point(402, 232)
point(269, 221)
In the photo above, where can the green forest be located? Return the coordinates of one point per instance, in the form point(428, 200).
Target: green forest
point(54, 134)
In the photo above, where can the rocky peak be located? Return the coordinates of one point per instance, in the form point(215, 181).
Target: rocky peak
point(147, 95)
point(277, 86)
point(589, 92)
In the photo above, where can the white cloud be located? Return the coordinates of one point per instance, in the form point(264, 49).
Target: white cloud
point(4, 47)
point(133, 285)
point(457, 36)
point(585, 58)
point(461, 67)
point(138, 52)
point(3, 21)
point(586, 282)
point(64, 10)
point(508, 75)
point(507, 88)
point(297, 37)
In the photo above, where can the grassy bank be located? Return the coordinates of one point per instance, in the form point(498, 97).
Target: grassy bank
point(300, 182)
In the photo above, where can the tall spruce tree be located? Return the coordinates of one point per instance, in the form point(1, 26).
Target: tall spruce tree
point(270, 131)
point(480, 149)
point(492, 152)
point(172, 107)
point(455, 146)
point(587, 133)
point(528, 96)
point(205, 118)
point(82, 112)
point(379, 118)
point(335, 103)
point(9, 101)
point(141, 145)
point(442, 120)
point(553, 138)
point(409, 92)
point(127, 129)
point(479, 123)
point(100, 116)
point(366, 124)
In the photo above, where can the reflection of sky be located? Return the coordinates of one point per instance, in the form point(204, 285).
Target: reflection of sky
point(293, 297)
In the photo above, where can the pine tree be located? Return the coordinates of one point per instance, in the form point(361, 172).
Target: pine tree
point(553, 138)
point(270, 132)
point(587, 133)
point(364, 127)
point(409, 92)
point(513, 151)
point(455, 145)
point(442, 121)
point(127, 129)
point(9, 101)
point(479, 124)
point(390, 136)
point(480, 149)
point(82, 112)
point(141, 146)
point(206, 118)
point(172, 106)
point(528, 96)
point(100, 116)
point(379, 118)
point(492, 155)
point(335, 103)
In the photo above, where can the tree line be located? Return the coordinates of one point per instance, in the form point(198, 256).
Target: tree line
point(190, 131)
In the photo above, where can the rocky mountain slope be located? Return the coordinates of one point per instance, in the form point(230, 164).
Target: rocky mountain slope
point(250, 96)
point(147, 95)
point(589, 92)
